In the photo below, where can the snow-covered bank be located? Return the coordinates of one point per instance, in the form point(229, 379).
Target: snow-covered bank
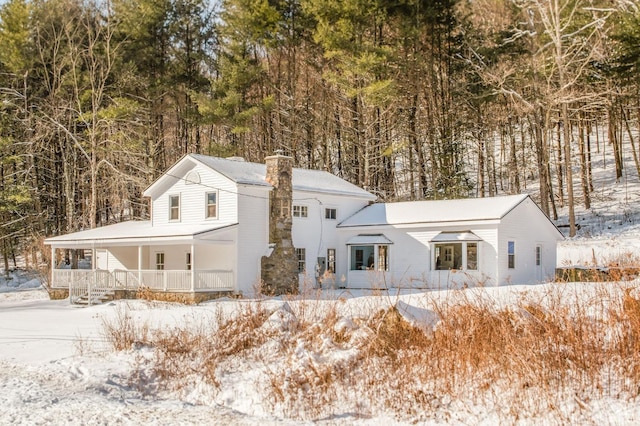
point(56, 364)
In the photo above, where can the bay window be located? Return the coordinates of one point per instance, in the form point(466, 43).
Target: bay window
point(455, 250)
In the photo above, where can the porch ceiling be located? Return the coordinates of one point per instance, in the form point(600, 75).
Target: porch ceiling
point(134, 233)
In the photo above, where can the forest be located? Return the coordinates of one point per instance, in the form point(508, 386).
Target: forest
point(409, 99)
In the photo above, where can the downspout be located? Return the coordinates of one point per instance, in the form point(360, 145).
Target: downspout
point(139, 266)
point(193, 268)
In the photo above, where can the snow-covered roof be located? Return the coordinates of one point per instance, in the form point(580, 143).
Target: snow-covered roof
point(135, 231)
point(368, 239)
point(247, 173)
point(409, 212)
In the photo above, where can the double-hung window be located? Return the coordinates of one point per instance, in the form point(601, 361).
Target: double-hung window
point(301, 255)
point(511, 254)
point(159, 261)
point(212, 205)
point(174, 207)
point(331, 260)
point(300, 211)
point(330, 213)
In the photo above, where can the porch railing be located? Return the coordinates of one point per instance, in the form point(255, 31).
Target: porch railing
point(81, 281)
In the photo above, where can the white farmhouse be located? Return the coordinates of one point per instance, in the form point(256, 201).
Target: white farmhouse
point(226, 225)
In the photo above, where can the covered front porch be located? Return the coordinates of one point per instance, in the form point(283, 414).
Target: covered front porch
point(184, 265)
point(94, 284)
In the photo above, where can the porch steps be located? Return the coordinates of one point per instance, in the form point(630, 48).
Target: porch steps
point(96, 297)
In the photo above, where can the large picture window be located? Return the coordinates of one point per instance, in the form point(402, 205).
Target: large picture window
point(450, 255)
point(370, 257)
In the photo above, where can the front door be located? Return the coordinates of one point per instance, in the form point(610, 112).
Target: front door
point(539, 262)
point(102, 260)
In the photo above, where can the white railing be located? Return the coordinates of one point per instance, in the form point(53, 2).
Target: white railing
point(127, 280)
point(214, 280)
point(81, 282)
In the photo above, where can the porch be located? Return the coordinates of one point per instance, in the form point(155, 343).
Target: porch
point(93, 285)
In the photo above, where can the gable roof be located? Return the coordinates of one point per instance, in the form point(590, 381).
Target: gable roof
point(246, 173)
point(409, 212)
point(136, 232)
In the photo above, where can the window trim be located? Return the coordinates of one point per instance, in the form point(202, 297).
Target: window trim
point(464, 255)
point(301, 257)
point(303, 211)
point(511, 254)
point(374, 256)
point(330, 213)
point(160, 261)
point(171, 197)
point(206, 204)
point(331, 260)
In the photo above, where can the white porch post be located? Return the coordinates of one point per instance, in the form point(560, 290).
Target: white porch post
point(139, 265)
point(193, 267)
point(53, 265)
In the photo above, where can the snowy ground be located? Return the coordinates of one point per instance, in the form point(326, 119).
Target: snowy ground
point(56, 366)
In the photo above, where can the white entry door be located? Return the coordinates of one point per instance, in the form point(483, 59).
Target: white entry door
point(538, 262)
point(102, 260)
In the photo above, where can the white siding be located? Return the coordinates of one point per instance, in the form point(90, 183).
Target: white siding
point(253, 234)
point(317, 234)
point(527, 226)
point(410, 259)
point(214, 257)
point(123, 258)
point(193, 201)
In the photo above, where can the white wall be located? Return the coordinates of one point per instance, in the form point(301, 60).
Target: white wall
point(527, 226)
point(410, 258)
point(317, 234)
point(253, 235)
point(193, 200)
point(123, 258)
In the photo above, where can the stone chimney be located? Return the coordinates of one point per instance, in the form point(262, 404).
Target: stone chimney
point(280, 268)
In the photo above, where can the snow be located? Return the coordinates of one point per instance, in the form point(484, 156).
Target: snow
point(134, 230)
point(57, 366)
point(247, 173)
point(407, 212)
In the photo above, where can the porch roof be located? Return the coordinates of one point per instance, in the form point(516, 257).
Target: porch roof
point(446, 237)
point(143, 233)
point(368, 239)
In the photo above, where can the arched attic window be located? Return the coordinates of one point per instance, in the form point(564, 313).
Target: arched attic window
point(192, 177)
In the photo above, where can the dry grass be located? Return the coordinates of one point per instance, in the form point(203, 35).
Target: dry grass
point(522, 359)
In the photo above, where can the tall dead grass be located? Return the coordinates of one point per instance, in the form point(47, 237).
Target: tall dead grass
point(519, 359)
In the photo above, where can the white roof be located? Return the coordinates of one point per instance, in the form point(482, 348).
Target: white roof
point(368, 239)
point(456, 236)
point(135, 231)
point(408, 212)
point(247, 173)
